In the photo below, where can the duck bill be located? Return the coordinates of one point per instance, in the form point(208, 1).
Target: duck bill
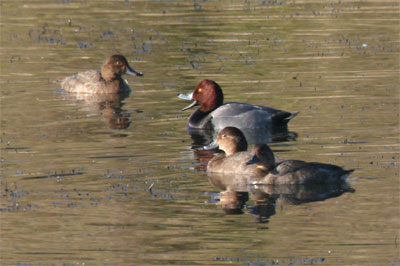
point(212, 145)
point(131, 71)
point(193, 104)
point(188, 96)
point(253, 160)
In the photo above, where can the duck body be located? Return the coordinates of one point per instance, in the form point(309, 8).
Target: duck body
point(260, 167)
point(235, 163)
point(295, 172)
point(108, 80)
point(239, 115)
point(91, 81)
point(292, 172)
point(235, 157)
point(213, 114)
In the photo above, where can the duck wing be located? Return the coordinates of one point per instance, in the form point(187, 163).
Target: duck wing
point(289, 167)
point(235, 163)
point(82, 82)
point(249, 116)
point(300, 172)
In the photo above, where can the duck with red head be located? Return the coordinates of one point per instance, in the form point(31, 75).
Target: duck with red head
point(108, 80)
point(214, 114)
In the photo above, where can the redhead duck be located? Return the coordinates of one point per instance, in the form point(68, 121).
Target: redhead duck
point(293, 171)
point(214, 114)
point(107, 81)
point(259, 166)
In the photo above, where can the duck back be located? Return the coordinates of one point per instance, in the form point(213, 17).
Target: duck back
point(80, 82)
point(300, 172)
point(244, 115)
point(91, 81)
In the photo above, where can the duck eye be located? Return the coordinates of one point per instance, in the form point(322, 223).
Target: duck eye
point(118, 62)
point(199, 89)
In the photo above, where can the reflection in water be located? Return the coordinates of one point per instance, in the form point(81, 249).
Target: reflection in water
point(232, 202)
point(108, 105)
point(235, 193)
point(203, 157)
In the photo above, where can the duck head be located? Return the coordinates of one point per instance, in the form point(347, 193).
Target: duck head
point(207, 94)
point(231, 140)
point(263, 157)
point(115, 66)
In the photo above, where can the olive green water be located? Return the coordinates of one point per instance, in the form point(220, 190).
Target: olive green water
point(75, 172)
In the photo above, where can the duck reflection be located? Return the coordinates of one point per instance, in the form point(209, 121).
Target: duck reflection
point(109, 106)
point(232, 202)
point(235, 192)
point(203, 137)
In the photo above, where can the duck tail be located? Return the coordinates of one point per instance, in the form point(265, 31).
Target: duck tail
point(346, 174)
point(292, 115)
point(282, 118)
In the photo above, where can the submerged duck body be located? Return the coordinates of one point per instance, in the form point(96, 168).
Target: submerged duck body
point(108, 80)
point(259, 165)
point(214, 114)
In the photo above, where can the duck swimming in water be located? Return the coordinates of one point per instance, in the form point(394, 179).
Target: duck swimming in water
point(293, 171)
point(214, 114)
point(259, 165)
point(108, 80)
point(235, 157)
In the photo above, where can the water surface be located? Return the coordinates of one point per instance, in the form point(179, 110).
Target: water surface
point(76, 173)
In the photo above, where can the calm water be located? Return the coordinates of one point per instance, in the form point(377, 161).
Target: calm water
point(76, 173)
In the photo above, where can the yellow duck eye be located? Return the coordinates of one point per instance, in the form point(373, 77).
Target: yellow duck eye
point(199, 89)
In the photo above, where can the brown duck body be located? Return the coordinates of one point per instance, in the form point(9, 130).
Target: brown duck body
point(235, 157)
point(260, 167)
point(91, 81)
point(293, 171)
point(232, 164)
point(296, 172)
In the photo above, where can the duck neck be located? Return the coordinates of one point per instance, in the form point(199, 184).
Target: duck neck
point(200, 119)
point(232, 149)
point(109, 75)
point(266, 167)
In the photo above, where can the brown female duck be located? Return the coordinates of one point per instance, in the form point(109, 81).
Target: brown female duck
point(108, 80)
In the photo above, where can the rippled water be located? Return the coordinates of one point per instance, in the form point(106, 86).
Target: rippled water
point(76, 173)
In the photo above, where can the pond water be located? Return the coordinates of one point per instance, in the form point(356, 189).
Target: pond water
point(76, 173)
